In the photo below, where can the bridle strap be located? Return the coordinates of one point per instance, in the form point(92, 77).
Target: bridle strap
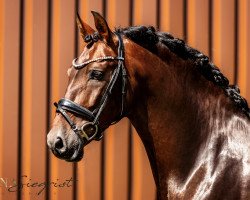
point(119, 70)
point(124, 72)
point(107, 93)
point(76, 109)
point(67, 118)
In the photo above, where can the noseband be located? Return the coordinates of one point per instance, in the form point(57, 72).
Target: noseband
point(93, 116)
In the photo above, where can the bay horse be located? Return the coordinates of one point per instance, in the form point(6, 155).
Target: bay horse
point(195, 126)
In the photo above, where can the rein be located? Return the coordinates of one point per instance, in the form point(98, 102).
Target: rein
point(92, 126)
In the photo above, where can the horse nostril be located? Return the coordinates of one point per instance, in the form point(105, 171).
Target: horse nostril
point(59, 143)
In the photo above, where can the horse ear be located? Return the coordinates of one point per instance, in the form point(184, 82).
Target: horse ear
point(102, 27)
point(84, 28)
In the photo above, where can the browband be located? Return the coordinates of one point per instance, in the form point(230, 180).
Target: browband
point(82, 65)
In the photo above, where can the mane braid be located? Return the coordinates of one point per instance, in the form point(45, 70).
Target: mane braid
point(148, 38)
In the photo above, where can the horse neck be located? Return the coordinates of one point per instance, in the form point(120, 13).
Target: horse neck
point(175, 111)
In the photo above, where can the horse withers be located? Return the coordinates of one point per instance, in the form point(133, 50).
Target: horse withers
point(195, 126)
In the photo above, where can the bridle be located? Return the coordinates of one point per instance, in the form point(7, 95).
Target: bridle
point(65, 105)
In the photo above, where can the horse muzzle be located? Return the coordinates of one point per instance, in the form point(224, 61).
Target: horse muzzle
point(70, 149)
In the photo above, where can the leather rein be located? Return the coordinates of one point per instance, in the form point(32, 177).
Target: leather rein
point(65, 105)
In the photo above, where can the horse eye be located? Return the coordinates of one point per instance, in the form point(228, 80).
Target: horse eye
point(96, 75)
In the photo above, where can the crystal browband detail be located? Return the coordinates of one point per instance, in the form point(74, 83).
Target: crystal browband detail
point(81, 65)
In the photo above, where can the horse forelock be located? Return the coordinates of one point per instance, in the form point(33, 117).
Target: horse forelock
point(149, 38)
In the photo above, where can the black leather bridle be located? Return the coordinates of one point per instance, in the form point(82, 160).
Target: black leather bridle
point(66, 105)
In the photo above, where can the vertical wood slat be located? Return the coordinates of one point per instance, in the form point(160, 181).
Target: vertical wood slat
point(89, 168)
point(9, 91)
point(142, 10)
point(142, 178)
point(244, 48)
point(1, 86)
point(116, 165)
point(171, 17)
point(198, 24)
point(34, 66)
point(223, 36)
point(48, 93)
point(116, 137)
point(27, 94)
point(117, 17)
point(63, 17)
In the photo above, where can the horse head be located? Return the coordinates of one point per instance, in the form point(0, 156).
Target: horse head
point(96, 92)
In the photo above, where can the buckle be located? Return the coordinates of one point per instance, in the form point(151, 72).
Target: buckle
point(89, 131)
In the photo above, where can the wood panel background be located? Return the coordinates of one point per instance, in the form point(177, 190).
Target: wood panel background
point(38, 40)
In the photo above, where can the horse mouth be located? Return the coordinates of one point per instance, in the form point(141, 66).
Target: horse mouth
point(76, 157)
point(74, 154)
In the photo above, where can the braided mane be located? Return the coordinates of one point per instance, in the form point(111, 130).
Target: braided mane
point(148, 38)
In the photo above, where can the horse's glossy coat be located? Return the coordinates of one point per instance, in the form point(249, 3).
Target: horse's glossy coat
point(196, 137)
